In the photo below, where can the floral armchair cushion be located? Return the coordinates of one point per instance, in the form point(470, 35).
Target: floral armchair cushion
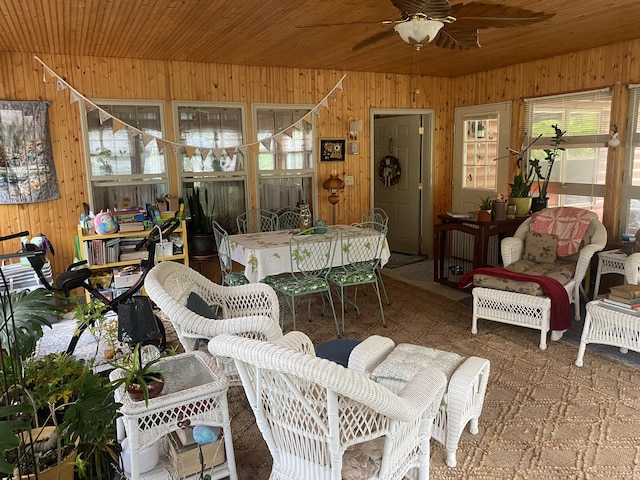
point(540, 247)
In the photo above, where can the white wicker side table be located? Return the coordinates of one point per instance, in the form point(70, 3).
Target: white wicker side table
point(195, 390)
point(609, 327)
point(611, 261)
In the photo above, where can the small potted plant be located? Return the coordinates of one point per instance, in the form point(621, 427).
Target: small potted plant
point(484, 210)
point(200, 225)
point(140, 375)
point(520, 191)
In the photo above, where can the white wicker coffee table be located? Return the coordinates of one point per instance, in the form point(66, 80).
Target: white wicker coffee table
point(609, 327)
point(195, 392)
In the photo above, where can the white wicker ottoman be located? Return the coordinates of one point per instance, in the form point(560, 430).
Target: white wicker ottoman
point(609, 327)
point(466, 387)
point(514, 308)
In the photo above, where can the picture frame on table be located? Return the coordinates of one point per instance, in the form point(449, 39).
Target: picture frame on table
point(333, 149)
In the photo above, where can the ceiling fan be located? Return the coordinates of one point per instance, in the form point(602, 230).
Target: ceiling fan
point(449, 26)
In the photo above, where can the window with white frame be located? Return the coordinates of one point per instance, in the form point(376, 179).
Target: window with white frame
point(579, 172)
point(124, 171)
point(630, 213)
point(217, 168)
point(286, 169)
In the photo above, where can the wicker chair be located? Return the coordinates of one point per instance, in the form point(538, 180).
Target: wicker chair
point(247, 310)
point(323, 421)
point(507, 303)
point(393, 366)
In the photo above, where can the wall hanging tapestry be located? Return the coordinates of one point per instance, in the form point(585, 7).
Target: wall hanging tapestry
point(27, 173)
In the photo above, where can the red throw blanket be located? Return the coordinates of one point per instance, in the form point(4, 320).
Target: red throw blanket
point(560, 316)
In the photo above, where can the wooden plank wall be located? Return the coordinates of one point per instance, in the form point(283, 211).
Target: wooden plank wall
point(614, 66)
point(21, 78)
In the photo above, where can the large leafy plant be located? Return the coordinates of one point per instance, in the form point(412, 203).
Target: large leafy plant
point(542, 177)
point(201, 216)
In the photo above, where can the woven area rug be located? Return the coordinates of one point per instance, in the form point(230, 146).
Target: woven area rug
point(543, 416)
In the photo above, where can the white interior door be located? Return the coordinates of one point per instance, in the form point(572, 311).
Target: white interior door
point(400, 137)
point(481, 155)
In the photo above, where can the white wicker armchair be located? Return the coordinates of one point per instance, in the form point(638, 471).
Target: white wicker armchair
point(323, 421)
point(466, 385)
point(527, 310)
point(248, 310)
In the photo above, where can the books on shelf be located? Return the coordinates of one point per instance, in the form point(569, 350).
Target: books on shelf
point(131, 227)
point(626, 301)
point(624, 305)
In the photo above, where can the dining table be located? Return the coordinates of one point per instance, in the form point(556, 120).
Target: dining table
point(267, 253)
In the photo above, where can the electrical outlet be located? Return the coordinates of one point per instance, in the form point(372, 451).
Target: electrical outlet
point(348, 180)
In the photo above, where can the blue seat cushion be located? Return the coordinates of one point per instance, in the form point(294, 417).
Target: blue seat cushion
point(337, 350)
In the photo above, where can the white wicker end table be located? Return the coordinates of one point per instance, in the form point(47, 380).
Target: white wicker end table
point(195, 390)
point(609, 327)
point(611, 261)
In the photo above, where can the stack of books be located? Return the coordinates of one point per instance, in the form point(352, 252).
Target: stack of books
point(625, 298)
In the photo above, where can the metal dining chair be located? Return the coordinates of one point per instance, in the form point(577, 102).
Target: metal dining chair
point(380, 221)
point(288, 218)
point(311, 259)
point(361, 247)
point(257, 220)
point(229, 277)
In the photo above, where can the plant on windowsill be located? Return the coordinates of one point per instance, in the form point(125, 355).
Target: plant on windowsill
point(542, 178)
point(520, 191)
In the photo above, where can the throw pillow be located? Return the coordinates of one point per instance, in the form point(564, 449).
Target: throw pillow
point(540, 247)
point(196, 304)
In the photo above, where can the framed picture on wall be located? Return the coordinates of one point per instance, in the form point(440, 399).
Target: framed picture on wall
point(333, 149)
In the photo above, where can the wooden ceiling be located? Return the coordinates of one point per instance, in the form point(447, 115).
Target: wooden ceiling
point(269, 33)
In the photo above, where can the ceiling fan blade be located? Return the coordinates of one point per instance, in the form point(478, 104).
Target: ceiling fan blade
point(355, 22)
point(375, 38)
point(484, 15)
point(433, 8)
point(454, 38)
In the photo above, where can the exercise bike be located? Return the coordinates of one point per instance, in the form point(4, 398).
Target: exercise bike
point(77, 276)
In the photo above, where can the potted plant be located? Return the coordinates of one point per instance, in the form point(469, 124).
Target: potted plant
point(200, 225)
point(59, 397)
point(542, 178)
point(139, 373)
point(484, 210)
point(520, 191)
point(92, 316)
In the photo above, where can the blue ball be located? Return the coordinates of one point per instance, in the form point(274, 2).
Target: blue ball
point(204, 434)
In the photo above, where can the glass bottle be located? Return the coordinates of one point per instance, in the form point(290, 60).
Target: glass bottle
point(306, 221)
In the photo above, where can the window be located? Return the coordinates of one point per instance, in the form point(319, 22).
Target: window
point(630, 217)
point(122, 170)
point(480, 149)
point(217, 167)
point(579, 172)
point(286, 169)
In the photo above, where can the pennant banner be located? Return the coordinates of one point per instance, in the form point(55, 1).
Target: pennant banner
point(133, 132)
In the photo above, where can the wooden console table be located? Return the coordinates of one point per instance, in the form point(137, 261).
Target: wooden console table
point(462, 244)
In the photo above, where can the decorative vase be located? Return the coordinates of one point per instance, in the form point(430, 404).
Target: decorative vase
point(201, 245)
point(539, 203)
point(154, 388)
point(523, 205)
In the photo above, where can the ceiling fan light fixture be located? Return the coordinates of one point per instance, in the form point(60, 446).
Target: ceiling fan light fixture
point(417, 29)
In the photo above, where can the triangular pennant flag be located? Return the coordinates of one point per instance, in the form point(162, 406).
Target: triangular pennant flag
point(89, 107)
point(339, 85)
point(47, 74)
point(116, 125)
point(325, 102)
point(266, 143)
point(243, 150)
point(277, 138)
point(288, 132)
point(177, 150)
point(146, 138)
point(230, 151)
point(161, 144)
point(204, 152)
point(132, 132)
point(333, 94)
point(190, 150)
point(104, 116)
point(299, 125)
point(60, 85)
point(74, 97)
point(315, 112)
point(218, 152)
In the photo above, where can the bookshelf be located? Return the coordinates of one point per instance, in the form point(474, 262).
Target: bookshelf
point(104, 253)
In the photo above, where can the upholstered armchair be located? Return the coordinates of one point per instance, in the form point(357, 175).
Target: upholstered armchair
point(560, 247)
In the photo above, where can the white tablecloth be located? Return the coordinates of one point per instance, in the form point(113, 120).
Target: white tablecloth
point(267, 253)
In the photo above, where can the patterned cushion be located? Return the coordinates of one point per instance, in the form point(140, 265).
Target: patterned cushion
point(406, 360)
point(540, 247)
point(236, 278)
point(362, 461)
point(562, 270)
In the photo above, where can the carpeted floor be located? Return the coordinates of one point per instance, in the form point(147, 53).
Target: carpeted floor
point(543, 416)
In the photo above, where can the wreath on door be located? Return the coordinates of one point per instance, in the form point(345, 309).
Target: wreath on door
point(389, 170)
